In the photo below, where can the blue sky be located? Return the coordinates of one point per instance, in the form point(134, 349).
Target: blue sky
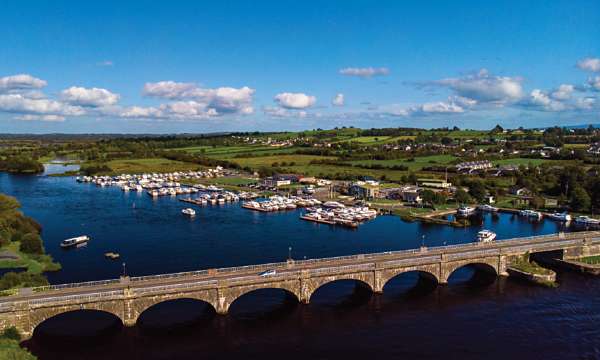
point(191, 66)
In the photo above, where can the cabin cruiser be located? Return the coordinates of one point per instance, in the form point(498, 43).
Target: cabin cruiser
point(487, 208)
point(333, 204)
point(188, 211)
point(586, 220)
point(485, 236)
point(465, 211)
point(76, 241)
point(531, 213)
point(564, 217)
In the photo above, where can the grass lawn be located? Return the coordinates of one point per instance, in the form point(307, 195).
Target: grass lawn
point(523, 161)
point(298, 160)
point(530, 267)
point(158, 165)
point(417, 165)
point(592, 260)
point(34, 264)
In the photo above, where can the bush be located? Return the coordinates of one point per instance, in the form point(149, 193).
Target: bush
point(31, 244)
point(10, 280)
point(11, 333)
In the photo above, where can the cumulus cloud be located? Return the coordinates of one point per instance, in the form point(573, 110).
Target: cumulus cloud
point(31, 117)
point(365, 72)
point(484, 87)
point(451, 106)
point(338, 100)
point(586, 103)
point(295, 100)
point(280, 112)
point(540, 100)
point(589, 64)
point(594, 83)
point(17, 103)
point(218, 101)
point(20, 82)
point(563, 92)
point(93, 97)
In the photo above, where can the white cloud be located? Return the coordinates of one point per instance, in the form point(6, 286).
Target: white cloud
point(338, 100)
point(589, 64)
point(586, 103)
point(594, 83)
point(17, 103)
point(429, 108)
point(563, 92)
point(365, 72)
point(484, 87)
point(295, 100)
point(540, 100)
point(31, 117)
point(105, 63)
point(280, 112)
point(21, 82)
point(222, 100)
point(93, 97)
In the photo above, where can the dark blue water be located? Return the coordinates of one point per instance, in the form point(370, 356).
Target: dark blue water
point(153, 236)
point(471, 318)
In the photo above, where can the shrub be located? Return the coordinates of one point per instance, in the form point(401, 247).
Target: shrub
point(31, 244)
point(11, 333)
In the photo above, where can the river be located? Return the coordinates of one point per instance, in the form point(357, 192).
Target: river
point(466, 319)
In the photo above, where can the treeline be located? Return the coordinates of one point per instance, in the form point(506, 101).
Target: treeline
point(21, 165)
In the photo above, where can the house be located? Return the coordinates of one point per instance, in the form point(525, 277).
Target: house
point(434, 183)
point(363, 190)
point(520, 191)
point(411, 194)
point(308, 180)
point(471, 166)
point(273, 181)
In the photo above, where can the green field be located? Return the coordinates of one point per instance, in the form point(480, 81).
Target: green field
point(136, 166)
point(524, 161)
point(416, 165)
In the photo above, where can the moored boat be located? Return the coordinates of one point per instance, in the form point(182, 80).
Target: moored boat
point(485, 236)
point(76, 241)
point(564, 217)
point(188, 211)
point(465, 211)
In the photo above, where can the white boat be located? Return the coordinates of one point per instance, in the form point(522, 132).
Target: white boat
point(564, 217)
point(487, 208)
point(485, 236)
point(76, 241)
point(586, 220)
point(188, 211)
point(465, 211)
point(531, 213)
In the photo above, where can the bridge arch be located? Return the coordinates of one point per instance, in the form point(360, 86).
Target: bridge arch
point(142, 304)
point(487, 264)
point(311, 286)
point(233, 293)
point(39, 315)
point(430, 271)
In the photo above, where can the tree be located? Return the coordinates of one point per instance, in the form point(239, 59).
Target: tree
point(580, 200)
point(461, 196)
point(31, 244)
point(477, 190)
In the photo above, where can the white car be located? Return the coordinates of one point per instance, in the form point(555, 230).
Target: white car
point(268, 273)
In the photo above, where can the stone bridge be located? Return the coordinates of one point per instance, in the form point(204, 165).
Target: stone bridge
point(128, 297)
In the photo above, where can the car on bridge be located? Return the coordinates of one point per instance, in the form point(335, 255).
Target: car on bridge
point(268, 273)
